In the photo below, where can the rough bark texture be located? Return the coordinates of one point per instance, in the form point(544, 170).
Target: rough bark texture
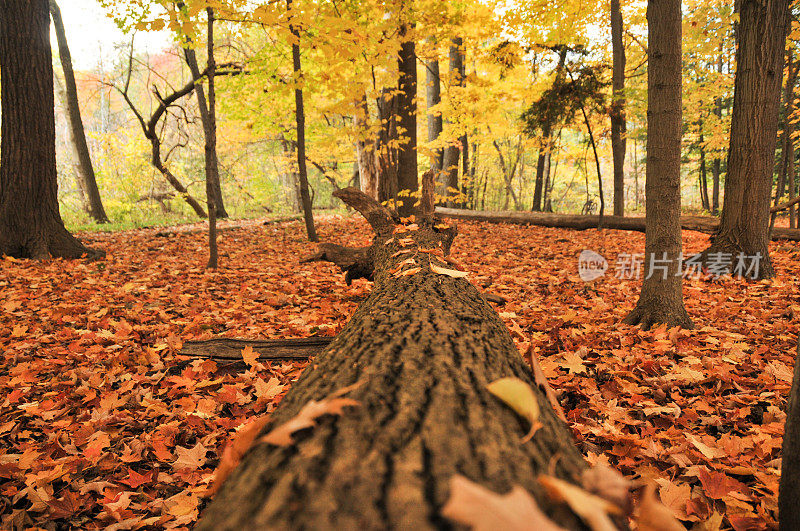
point(423, 348)
point(716, 168)
point(30, 223)
point(267, 349)
point(300, 117)
point(77, 135)
point(744, 224)
point(386, 145)
point(789, 495)
point(407, 120)
point(702, 174)
point(618, 108)
point(661, 299)
point(433, 96)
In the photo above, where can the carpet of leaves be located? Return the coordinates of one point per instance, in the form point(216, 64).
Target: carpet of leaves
point(102, 425)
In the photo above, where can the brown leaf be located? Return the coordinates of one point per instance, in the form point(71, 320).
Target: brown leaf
point(235, 450)
point(655, 516)
point(481, 509)
point(610, 485)
point(592, 509)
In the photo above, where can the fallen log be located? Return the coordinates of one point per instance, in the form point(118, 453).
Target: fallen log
point(705, 224)
point(267, 349)
point(422, 347)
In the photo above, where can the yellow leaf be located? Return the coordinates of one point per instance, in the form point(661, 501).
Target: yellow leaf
point(250, 357)
point(520, 397)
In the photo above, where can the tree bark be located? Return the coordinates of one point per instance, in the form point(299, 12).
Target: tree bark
point(546, 146)
point(301, 131)
point(407, 120)
point(452, 153)
point(618, 127)
point(703, 174)
point(716, 168)
point(77, 134)
point(787, 145)
point(789, 493)
point(661, 298)
point(433, 96)
point(744, 224)
point(422, 349)
point(209, 127)
point(30, 223)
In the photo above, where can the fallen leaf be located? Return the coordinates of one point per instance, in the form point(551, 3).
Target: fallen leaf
point(592, 509)
point(481, 509)
point(333, 405)
point(191, 458)
point(520, 397)
point(610, 485)
point(449, 272)
point(250, 357)
point(235, 450)
point(655, 516)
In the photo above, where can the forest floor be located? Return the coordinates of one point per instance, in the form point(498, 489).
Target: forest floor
point(103, 426)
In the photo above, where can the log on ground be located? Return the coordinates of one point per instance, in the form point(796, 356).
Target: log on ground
point(267, 349)
point(423, 347)
point(705, 224)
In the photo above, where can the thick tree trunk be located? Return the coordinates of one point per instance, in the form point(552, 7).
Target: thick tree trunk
point(300, 118)
point(792, 193)
point(77, 135)
point(421, 349)
point(789, 494)
point(407, 120)
point(433, 96)
point(661, 299)
point(30, 223)
point(704, 224)
point(452, 153)
point(744, 224)
point(618, 127)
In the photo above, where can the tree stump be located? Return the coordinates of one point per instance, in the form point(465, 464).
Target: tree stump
point(423, 347)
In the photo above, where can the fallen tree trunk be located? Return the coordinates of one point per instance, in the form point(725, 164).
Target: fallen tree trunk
point(267, 349)
point(705, 224)
point(423, 348)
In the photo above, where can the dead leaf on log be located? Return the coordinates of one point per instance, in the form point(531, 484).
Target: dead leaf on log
point(520, 397)
point(483, 510)
point(610, 485)
point(541, 381)
point(449, 272)
point(333, 405)
point(235, 450)
point(592, 509)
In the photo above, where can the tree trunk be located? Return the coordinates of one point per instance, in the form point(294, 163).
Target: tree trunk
point(661, 299)
point(538, 185)
point(787, 145)
point(30, 223)
point(789, 493)
point(744, 224)
point(301, 131)
point(386, 146)
point(792, 194)
point(420, 351)
point(433, 96)
point(77, 134)
point(367, 151)
point(407, 120)
point(618, 127)
point(717, 161)
point(209, 129)
point(702, 175)
point(452, 153)
point(213, 190)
